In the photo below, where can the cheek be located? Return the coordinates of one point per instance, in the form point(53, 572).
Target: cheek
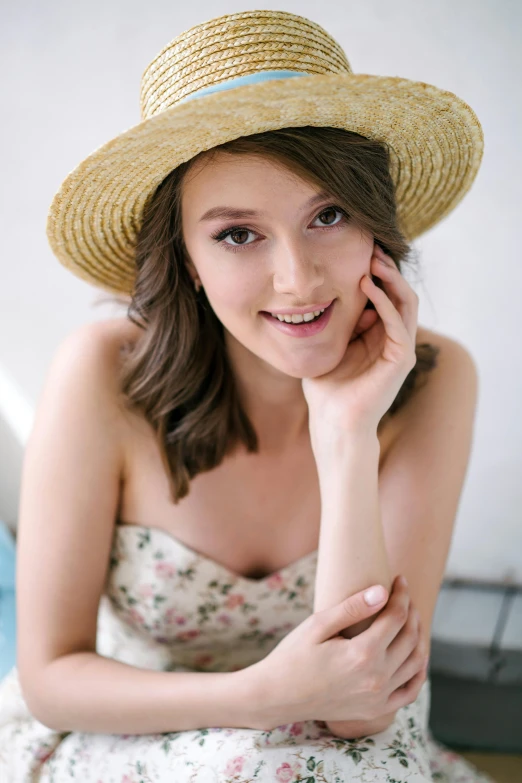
point(232, 304)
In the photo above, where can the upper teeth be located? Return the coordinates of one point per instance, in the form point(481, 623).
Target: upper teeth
point(297, 318)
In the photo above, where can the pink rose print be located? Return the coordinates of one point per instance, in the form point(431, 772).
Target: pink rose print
point(146, 591)
point(285, 773)
point(165, 569)
point(235, 765)
point(136, 616)
point(254, 621)
point(275, 581)
point(186, 635)
point(225, 619)
point(234, 600)
point(296, 729)
point(172, 616)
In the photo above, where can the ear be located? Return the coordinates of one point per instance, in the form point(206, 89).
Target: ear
point(191, 269)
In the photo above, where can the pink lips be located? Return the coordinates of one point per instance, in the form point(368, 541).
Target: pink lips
point(300, 310)
point(304, 329)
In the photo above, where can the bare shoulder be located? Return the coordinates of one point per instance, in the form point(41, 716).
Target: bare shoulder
point(453, 364)
point(85, 371)
point(428, 336)
point(107, 336)
point(100, 344)
point(449, 347)
point(82, 388)
point(454, 373)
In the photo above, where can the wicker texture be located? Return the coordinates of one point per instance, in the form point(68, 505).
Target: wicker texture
point(435, 139)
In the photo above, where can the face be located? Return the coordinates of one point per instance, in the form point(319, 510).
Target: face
point(295, 249)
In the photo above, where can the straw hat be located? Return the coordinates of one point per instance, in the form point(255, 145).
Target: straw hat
point(240, 74)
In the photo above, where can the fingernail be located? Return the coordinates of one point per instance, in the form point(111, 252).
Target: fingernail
point(403, 581)
point(374, 596)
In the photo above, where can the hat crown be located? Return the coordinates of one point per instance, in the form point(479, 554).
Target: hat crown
point(234, 46)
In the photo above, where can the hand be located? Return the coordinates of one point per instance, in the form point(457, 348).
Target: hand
point(316, 674)
point(356, 394)
point(409, 690)
point(313, 671)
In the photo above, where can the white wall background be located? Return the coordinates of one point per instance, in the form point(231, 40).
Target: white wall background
point(70, 82)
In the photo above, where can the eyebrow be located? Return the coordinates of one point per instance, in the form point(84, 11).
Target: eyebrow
point(232, 213)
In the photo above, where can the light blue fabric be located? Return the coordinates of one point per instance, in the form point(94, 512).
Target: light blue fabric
point(7, 557)
point(239, 81)
point(7, 600)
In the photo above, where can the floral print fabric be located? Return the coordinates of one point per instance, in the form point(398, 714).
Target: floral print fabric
point(167, 607)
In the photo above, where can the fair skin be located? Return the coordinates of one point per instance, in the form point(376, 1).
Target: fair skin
point(284, 255)
point(281, 254)
point(82, 439)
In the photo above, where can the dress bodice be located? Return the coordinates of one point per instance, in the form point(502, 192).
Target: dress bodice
point(166, 606)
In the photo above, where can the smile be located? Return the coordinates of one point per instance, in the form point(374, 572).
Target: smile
point(303, 328)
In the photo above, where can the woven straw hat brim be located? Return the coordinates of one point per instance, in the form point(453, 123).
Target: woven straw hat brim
point(435, 139)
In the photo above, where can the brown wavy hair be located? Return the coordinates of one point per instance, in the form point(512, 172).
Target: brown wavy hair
point(177, 374)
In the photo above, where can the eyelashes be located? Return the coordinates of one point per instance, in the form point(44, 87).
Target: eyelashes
point(220, 236)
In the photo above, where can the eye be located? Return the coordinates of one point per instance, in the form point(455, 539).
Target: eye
point(330, 210)
point(232, 232)
point(239, 234)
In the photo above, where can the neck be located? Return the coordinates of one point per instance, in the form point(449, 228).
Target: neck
point(274, 402)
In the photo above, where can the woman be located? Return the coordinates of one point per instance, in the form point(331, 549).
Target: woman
point(218, 631)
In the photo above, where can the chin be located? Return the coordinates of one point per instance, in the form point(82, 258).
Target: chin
point(310, 369)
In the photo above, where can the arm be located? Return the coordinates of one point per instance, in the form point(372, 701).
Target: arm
point(420, 485)
point(352, 553)
point(70, 490)
point(86, 692)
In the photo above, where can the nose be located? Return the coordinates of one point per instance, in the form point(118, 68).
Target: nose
point(298, 272)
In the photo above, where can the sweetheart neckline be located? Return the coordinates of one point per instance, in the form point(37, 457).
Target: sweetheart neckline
point(239, 577)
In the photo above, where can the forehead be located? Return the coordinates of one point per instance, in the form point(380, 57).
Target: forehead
point(241, 173)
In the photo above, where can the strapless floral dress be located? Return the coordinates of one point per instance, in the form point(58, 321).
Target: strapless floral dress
point(167, 607)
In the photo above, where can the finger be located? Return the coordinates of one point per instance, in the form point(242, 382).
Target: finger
point(390, 620)
point(415, 663)
point(399, 291)
point(332, 621)
point(393, 322)
point(406, 641)
point(408, 693)
point(384, 263)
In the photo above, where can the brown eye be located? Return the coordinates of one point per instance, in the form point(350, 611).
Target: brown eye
point(331, 211)
point(234, 235)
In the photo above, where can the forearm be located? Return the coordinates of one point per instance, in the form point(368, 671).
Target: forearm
point(87, 692)
point(352, 553)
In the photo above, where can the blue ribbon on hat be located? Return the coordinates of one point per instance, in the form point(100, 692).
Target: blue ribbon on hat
point(238, 81)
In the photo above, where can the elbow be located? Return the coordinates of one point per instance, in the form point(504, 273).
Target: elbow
point(37, 699)
point(361, 728)
point(380, 724)
point(36, 706)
